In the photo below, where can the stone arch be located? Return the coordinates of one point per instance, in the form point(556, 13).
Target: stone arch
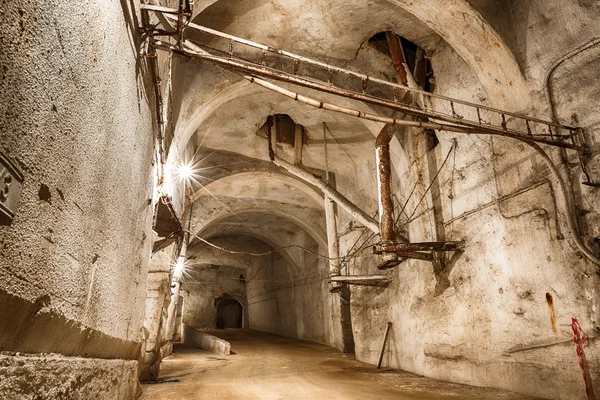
point(231, 310)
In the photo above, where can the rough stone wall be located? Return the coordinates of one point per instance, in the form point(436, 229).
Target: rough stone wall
point(158, 292)
point(52, 377)
point(498, 314)
point(75, 118)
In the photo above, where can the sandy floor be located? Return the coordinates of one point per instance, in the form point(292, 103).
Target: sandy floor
point(272, 367)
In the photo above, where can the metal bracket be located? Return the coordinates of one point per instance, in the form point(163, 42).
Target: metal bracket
point(423, 246)
point(11, 182)
point(364, 280)
point(418, 251)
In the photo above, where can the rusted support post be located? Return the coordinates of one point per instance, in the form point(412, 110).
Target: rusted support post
point(415, 255)
point(387, 331)
point(382, 248)
point(331, 223)
point(332, 243)
point(320, 183)
point(386, 204)
point(397, 54)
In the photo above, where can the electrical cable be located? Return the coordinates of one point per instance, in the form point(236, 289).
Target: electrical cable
point(433, 180)
point(277, 250)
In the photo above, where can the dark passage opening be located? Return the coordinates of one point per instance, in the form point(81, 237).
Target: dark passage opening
point(229, 314)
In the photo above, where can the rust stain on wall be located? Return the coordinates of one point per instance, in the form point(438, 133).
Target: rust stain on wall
point(550, 302)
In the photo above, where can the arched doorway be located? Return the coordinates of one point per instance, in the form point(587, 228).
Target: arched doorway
point(230, 314)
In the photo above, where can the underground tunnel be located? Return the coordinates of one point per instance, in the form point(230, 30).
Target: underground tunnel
point(300, 199)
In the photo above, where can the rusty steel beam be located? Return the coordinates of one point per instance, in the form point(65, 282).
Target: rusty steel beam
point(422, 246)
point(384, 194)
point(397, 55)
point(329, 67)
point(461, 125)
point(416, 255)
point(384, 182)
point(349, 278)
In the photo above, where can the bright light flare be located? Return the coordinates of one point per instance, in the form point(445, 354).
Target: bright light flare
point(179, 266)
point(185, 172)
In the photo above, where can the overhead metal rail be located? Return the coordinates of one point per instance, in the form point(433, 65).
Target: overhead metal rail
point(261, 60)
point(428, 110)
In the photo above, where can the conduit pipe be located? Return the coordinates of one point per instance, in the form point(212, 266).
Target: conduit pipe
point(195, 51)
point(329, 191)
point(360, 215)
point(355, 113)
point(384, 192)
point(565, 203)
point(332, 243)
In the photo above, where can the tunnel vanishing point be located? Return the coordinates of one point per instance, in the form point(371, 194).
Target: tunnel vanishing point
point(407, 185)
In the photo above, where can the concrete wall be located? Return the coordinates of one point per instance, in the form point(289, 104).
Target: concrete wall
point(295, 301)
point(75, 118)
point(204, 341)
point(500, 313)
point(207, 285)
point(158, 293)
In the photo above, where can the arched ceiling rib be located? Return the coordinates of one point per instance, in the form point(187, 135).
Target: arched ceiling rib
point(280, 233)
point(261, 184)
point(335, 29)
point(200, 254)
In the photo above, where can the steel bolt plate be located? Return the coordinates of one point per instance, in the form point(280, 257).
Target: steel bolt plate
point(11, 181)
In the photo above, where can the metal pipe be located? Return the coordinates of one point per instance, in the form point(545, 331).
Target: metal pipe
point(462, 125)
point(564, 200)
point(350, 278)
point(356, 113)
point(336, 196)
point(384, 194)
point(319, 182)
point(332, 243)
point(154, 70)
point(341, 70)
point(422, 246)
point(384, 184)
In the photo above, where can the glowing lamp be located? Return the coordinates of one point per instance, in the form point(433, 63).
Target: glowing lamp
point(185, 171)
point(179, 266)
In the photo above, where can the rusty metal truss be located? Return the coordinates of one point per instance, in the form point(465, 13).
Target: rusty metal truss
point(264, 61)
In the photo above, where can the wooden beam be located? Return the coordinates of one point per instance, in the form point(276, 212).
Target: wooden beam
point(387, 331)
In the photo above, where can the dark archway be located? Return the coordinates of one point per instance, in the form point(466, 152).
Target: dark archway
point(230, 314)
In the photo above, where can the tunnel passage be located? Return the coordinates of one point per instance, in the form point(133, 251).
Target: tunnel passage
point(230, 314)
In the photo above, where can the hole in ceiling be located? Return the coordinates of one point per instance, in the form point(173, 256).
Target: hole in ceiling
point(285, 129)
point(414, 55)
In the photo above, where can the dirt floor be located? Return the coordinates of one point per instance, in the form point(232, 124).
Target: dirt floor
point(272, 367)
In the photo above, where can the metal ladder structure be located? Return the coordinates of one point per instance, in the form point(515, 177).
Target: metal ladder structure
point(255, 61)
point(264, 61)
